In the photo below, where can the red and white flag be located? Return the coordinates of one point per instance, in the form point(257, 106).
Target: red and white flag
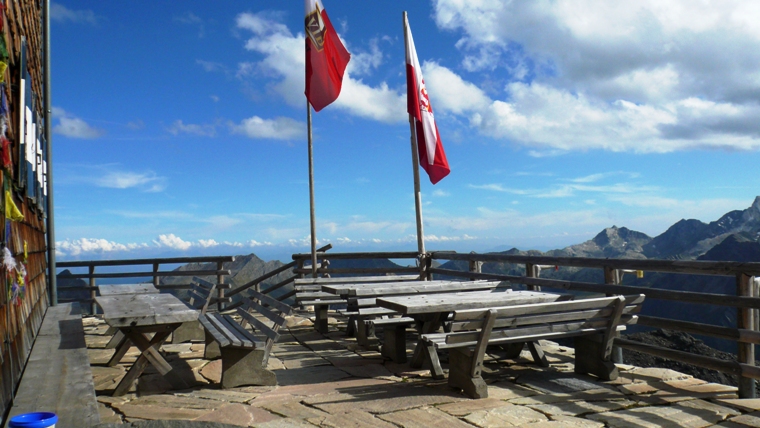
point(432, 157)
point(326, 57)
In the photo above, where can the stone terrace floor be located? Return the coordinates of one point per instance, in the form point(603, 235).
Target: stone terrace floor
point(327, 381)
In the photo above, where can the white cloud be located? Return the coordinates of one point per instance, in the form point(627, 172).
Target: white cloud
point(363, 63)
point(207, 243)
point(61, 13)
point(441, 193)
point(284, 62)
point(74, 127)
point(647, 76)
point(172, 241)
point(449, 92)
point(190, 18)
point(87, 245)
point(280, 128)
point(179, 127)
point(148, 181)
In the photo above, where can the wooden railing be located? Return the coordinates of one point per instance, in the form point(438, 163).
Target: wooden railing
point(155, 273)
point(746, 299)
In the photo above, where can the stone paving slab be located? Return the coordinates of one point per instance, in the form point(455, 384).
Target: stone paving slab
point(350, 419)
point(423, 418)
point(509, 415)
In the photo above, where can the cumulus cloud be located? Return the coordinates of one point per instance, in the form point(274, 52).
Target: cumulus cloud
point(73, 127)
point(207, 243)
point(76, 247)
point(280, 128)
point(172, 241)
point(284, 62)
point(644, 76)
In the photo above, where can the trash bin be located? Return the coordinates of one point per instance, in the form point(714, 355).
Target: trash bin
point(34, 420)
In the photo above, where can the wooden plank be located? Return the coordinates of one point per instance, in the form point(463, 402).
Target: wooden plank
point(530, 333)
point(523, 320)
point(450, 302)
point(544, 308)
point(248, 340)
point(172, 260)
point(269, 301)
point(217, 321)
point(151, 273)
point(243, 331)
point(356, 279)
point(252, 305)
point(114, 289)
point(214, 331)
point(376, 311)
point(260, 326)
point(145, 309)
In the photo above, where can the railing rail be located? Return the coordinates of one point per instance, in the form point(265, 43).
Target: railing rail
point(155, 273)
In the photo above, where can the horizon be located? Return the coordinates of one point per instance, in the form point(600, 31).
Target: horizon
point(180, 130)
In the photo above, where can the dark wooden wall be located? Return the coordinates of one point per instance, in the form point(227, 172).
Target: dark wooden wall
point(20, 321)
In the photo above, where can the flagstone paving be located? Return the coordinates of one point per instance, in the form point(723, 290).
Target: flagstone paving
point(328, 380)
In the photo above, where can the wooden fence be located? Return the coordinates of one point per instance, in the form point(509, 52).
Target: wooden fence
point(155, 273)
point(746, 298)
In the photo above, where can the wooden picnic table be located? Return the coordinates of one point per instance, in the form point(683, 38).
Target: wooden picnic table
point(115, 289)
point(406, 287)
point(138, 315)
point(431, 310)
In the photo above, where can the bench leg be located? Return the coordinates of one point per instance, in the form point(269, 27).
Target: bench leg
point(365, 332)
point(320, 318)
point(588, 359)
point(460, 368)
point(394, 343)
point(436, 371)
point(513, 350)
point(538, 354)
point(211, 350)
point(351, 326)
point(241, 366)
point(188, 332)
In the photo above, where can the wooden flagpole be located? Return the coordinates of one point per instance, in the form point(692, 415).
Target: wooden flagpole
point(416, 169)
point(312, 218)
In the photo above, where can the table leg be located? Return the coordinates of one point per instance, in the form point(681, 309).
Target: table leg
point(115, 339)
point(121, 350)
point(150, 355)
point(427, 326)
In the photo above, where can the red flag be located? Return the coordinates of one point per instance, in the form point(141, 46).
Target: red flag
point(326, 57)
point(432, 157)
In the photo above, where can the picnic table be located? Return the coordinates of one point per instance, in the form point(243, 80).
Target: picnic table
point(116, 289)
point(430, 310)
point(137, 316)
point(362, 306)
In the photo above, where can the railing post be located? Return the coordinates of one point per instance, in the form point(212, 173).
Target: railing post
point(476, 266)
point(744, 320)
point(532, 271)
point(324, 265)
point(93, 289)
point(220, 288)
point(155, 277)
point(613, 276)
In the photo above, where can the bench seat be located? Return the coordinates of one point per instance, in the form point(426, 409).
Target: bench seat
point(57, 377)
point(594, 323)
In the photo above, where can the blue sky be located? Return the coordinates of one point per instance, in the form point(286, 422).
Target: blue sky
point(180, 128)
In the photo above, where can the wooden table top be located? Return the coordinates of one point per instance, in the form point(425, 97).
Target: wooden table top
point(406, 287)
point(133, 310)
point(449, 302)
point(115, 289)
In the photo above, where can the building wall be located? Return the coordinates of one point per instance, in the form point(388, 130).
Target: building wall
point(20, 317)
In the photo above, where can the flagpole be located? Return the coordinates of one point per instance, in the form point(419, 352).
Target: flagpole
point(312, 218)
point(416, 170)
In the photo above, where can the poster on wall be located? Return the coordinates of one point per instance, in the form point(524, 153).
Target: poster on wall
point(31, 147)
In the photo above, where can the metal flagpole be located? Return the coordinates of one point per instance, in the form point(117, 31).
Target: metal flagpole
point(311, 196)
point(416, 169)
point(53, 285)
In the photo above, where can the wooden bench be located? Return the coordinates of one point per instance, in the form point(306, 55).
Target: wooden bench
point(57, 377)
point(309, 293)
point(245, 354)
point(594, 323)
